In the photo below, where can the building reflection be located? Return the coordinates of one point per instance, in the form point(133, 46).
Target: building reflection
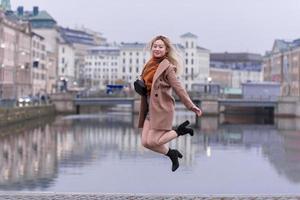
point(30, 157)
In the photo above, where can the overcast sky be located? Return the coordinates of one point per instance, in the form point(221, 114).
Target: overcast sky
point(221, 25)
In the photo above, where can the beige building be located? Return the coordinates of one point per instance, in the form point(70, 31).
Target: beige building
point(282, 65)
point(15, 57)
point(221, 76)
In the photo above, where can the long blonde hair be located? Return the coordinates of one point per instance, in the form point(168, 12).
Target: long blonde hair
point(172, 54)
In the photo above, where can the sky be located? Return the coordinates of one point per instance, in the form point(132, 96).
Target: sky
point(221, 25)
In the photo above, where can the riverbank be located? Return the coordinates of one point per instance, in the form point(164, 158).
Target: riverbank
point(19, 114)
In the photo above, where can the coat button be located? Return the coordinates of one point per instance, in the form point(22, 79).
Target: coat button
point(160, 79)
point(156, 95)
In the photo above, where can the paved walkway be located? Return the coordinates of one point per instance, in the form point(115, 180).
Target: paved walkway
point(92, 196)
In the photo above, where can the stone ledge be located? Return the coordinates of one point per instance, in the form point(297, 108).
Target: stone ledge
point(75, 196)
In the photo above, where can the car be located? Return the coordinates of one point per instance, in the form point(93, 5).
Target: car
point(25, 99)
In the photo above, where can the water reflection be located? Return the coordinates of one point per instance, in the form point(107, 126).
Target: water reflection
point(36, 157)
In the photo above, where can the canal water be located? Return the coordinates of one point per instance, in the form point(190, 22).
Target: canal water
point(102, 152)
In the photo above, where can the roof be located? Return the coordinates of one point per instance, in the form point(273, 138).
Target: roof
point(135, 45)
point(72, 36)
point(42, 15)
point(235, 57)
point(189, 35)
point(283, 45)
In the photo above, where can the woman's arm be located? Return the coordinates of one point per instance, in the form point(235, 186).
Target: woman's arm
point(180, 91)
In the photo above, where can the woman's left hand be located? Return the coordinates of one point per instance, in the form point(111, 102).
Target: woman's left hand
point(197, 110)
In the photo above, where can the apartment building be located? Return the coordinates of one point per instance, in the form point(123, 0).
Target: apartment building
point(15, 57)
point(101, 67)
point(282, 65)
point(39, 65)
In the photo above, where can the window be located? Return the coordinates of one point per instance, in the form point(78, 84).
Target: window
point(186, 70)
point(137, 70)
point(123, 69)
point(186, 61)
point(63, 60)
point(192, 61)
point(186, 45)
point(63, 49)
point(137, 61)
point(130, 69)
point(192, 73)
point(192, 44)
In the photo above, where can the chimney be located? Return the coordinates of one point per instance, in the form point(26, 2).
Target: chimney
point(20, 10)
point(35, 10)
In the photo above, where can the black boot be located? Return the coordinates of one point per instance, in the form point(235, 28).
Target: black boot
point(174, 154)
point(182, 129)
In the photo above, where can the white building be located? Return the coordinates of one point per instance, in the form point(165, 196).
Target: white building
point(130, 58)
point(196, 61)
point(133, 57)
point(39, 65)
point(102, 66)
point(66, 64)
point(244, 76)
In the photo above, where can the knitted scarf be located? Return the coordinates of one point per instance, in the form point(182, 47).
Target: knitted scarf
point(149, 71)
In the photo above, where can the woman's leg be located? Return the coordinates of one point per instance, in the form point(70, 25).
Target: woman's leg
point(166, 137)
point(147, 140)
point(151, 139)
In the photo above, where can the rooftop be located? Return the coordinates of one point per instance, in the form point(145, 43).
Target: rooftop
point(189, 35)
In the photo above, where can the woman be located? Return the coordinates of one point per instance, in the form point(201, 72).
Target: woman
point(157, 108)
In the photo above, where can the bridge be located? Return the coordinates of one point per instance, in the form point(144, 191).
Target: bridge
point(213, 105)
point(104, 101)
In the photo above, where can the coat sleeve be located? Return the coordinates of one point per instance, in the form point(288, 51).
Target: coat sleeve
point(176, 85)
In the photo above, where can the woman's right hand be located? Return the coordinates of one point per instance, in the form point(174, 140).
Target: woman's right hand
point(197, 110)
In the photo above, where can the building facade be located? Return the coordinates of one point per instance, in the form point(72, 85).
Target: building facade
point(15, 58)
point(230, 70)
point(130, 58)
point(102, 67)
point(39, 65)
point(77, 43)
point(282, 65)
point(196, 61)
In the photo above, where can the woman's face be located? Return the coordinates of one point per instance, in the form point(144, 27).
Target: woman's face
point(159, 49)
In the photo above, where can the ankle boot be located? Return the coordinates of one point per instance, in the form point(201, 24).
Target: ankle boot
point(182, 129)
point(174, 154)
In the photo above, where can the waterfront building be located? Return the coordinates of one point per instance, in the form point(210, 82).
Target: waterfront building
point(130, 58)
point(39, 65)
point(101, 67)
point(44, 24)
point(282, 65)
point(233, 69)
point(196, 61)
point(73, 47)
point(15, 55)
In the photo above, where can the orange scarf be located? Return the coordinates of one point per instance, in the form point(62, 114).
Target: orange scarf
point(149, 71)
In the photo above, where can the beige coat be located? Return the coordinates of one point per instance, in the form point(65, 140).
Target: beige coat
point(162, 103)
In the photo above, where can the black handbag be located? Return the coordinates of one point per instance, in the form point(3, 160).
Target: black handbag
point(140, 87)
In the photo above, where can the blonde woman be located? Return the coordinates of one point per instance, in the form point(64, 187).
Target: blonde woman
point(157, 107)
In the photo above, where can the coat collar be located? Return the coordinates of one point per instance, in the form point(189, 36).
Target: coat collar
point(161, 68)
